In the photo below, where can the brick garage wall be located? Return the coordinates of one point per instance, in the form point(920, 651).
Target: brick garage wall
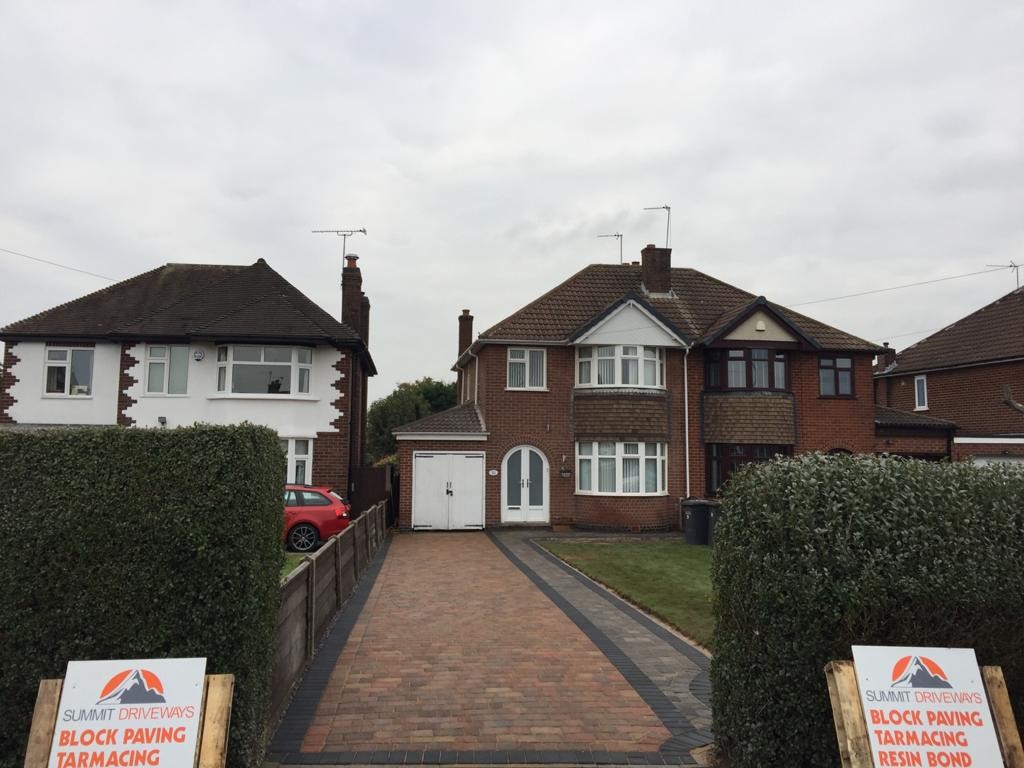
point(332, 447)
point(829, 423)
point(972, 398)
point(922, 444)
point(8, 380)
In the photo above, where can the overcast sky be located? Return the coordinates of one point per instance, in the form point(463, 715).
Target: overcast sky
point(808, 150)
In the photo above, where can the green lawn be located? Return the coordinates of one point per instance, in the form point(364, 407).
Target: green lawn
point(668, 579)
point(291, 562)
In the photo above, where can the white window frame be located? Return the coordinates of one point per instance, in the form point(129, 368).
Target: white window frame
point(620, 455)
point(588, 353)
point(527, 370)
point(166, 360)
point(920, 388)
point(293, 459)
point(66, 365)
point(226, 363)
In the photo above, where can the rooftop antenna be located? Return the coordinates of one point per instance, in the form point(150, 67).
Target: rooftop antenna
point(668, 223)
point(344, 234)
point(618, 236)
point(1012, 265)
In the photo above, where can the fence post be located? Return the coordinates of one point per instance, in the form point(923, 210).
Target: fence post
point(337, 568)
point(310, 606)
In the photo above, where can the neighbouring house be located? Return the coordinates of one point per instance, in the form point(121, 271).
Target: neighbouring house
point(970, 375)
point(188, 343)
point(621, 391)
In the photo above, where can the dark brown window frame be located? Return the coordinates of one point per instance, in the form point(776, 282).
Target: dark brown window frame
point(837, 395)
point(722, 367)
point(728, 462)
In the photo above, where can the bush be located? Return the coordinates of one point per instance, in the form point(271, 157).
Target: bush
point(815, 554)
point(133, 543)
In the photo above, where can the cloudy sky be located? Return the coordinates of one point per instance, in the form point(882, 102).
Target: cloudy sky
point(808, 150)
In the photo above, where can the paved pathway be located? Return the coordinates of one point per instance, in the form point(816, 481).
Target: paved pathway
point(483, 648)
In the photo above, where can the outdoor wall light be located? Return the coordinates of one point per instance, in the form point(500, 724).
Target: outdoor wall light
point(162, 421)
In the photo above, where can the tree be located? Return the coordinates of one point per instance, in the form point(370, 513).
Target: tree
point(408, 402)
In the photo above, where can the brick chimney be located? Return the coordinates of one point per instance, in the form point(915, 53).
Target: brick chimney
point(886, 357)
point(465, 332)
point(352, 294)
point(656, 269)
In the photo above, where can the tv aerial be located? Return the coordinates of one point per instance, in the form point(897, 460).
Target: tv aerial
point(618, 236)
point(668, 220)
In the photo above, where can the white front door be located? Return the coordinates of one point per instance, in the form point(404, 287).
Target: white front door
point(524, 487)
point(448, 491)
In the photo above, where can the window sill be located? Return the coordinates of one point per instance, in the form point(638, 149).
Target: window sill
point(527, 389)
point(54, 396)
point(837, 397)
point(660, 495)
point(613, 387)
point(244, 396)
point(921, 408)
point(161, 395)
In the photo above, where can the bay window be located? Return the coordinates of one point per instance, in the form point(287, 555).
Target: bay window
point(265, 370)
point(745, 369)
point(68, 372)
point(622, 468)
point(620, 365)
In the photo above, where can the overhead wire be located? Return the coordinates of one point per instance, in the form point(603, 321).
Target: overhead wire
point(62, 266)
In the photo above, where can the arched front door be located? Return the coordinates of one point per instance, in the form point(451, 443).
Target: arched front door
point(524, 486)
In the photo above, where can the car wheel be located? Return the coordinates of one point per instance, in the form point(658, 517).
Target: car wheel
point(303, 537)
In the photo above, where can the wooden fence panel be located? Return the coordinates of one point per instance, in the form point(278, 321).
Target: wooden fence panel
point(292, 627)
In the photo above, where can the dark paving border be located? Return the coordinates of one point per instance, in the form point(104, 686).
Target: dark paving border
point(301, 710)
point(701, 685)
point(685, 736)
point(287, 742)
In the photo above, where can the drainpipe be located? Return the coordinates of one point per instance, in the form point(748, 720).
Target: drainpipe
point(686, 415)
point(476, 374)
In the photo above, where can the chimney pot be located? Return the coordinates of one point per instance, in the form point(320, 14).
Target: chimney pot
point(887, 356)
point(350, 261)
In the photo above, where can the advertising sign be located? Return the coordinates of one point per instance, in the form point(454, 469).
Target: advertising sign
point(129, 714)
point(925, 707)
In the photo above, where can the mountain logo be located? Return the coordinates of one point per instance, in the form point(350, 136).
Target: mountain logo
point(918, 672)
point(133, 686)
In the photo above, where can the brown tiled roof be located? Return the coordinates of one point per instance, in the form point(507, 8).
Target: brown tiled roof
point(601, 415)
point(893, 417)
point(191, 301)
point(462, 419)
point(749, 417)
point(699, 304)
point(995, 332)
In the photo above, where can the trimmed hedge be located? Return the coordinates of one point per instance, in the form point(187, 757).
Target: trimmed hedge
point(815, 554)
point(138, 543)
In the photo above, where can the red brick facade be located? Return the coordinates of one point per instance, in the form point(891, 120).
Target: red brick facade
point(546, 421)
point(332, 448)
point(8, 380)
point(125, 380)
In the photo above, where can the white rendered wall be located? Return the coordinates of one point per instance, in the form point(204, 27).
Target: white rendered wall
point(32, 407)
point(628, 325)
point(289, 416)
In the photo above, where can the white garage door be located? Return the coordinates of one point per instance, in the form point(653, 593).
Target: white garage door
point(981, 461)
point(448, 491)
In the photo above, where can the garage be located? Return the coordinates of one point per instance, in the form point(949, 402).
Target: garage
point(448, 490)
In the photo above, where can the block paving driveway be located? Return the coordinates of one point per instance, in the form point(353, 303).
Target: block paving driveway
point(482, 648)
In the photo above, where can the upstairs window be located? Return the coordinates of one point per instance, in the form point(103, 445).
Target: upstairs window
point(166, 370)
point(252, 370)
point(745, 369)
point(620, 365)
point(526, 368)
point(920, 393)
point(68, 372)
point(835, 376)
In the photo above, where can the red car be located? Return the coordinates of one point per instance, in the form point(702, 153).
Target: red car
point(312, 514)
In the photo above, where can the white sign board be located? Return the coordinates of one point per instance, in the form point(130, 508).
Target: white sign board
point(925, 707)
point(129, 714)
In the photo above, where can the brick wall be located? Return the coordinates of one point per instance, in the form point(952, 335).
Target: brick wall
point(8, 380)
point(125, 380)
point(970, 397)
point(924, 444)
point(828, 423)
point(332, 448)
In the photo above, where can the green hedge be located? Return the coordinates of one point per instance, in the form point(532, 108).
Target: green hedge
point(815, 554)
point(137, 543)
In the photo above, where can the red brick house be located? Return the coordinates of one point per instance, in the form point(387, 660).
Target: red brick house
point(621, 391)
point(189, 343)
point(970, 373)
